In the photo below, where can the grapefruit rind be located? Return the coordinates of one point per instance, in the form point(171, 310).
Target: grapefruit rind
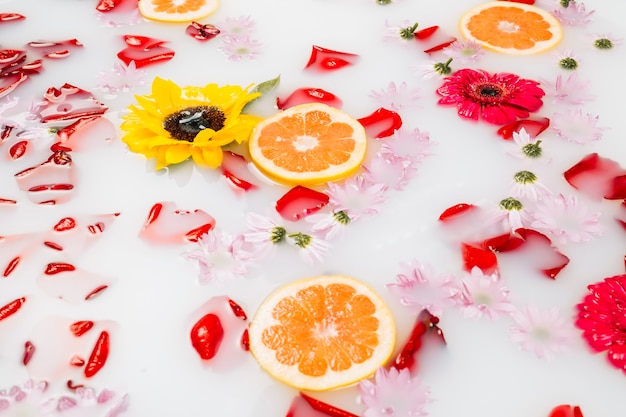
point(334, 172)
point(147, 10)
point(540, 46)
point(290, 375)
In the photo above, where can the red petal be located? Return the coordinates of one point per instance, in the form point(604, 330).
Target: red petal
point(202, 32)
point(206, 336)
point(425, 33)
point(309, 95)
point(565, 410)
point(455, 211)
point(533, 127)
point(10, 17)
point(598, 177)
point(381, 123)
point(235, 169)
point(299, 202)
point(483, 259)
point(328, 60)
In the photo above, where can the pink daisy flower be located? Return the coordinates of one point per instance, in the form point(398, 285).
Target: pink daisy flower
point(312, 249)
point(565, 219)
point(509, 216)
point(499, 98)
point(121, 79)
point(221, 257)
point(575, 14)
point(236, 26)
point(356, 196)
point(570, 90)
point(419, 288)
point(527, 147)
point(329, 224)
point(605, 40)
point(264, 233)
point(567, 60)
point(465, 51)
point(432, 69)
point(400, 33)
point(544, 333)
point(527, 186)
point(574, 126)
point(396, 98)
point(240, 47)
point(483, 295)
point(394, 393)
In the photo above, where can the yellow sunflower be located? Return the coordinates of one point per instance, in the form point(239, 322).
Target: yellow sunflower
point(173, 124)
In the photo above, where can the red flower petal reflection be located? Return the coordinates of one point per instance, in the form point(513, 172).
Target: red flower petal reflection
point(565, 410)
point(309, 95)
point(499, 98)
point(168, 224)
point(202, 32)
point(533, 127)
point(602, 318)
point(431, 39)
point(426, 323)
point(68, 103)
point(54, 49)
point(329, 60)
point(305, 406)
point(11, 17)
point(299, 202)
point(598, 177)
point(235, 169)
point(381, 123)
point(144, 51)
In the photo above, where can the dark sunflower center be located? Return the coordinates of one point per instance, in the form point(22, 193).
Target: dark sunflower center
point(187, 123)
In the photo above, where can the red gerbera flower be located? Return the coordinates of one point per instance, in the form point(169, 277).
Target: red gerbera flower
point(602, 317)
point(498, 98)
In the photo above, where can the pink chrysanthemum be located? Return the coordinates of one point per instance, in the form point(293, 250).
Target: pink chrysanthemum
point(236, 26)
point(499, 98)
point(464, 51)
point(311, 249)
point(565, 219)
point(121, 79)
point(356, 196)
point(432, 69)
point(106, 403)
point(483, 295)
point(419, 288)
point(544, 333)
point(509, 216)
point(406, 145)
point(575, 14)
point(393, 174)
point(264, 233)
point(605, 41)
point(27, 400)
point(396, 98)
point(240, 47)
point(221, 257)
point(574, 126)
point(603, 322)
point(394, 393)
point(570, 90)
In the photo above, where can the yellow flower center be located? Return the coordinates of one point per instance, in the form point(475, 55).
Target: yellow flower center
point(187, 123)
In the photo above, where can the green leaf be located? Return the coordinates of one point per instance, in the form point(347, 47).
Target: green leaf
point(266, 86)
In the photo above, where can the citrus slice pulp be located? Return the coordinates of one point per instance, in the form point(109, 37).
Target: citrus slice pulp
point(511, 27)
point(308, 144)
point(322, 333)
point(177, 10)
